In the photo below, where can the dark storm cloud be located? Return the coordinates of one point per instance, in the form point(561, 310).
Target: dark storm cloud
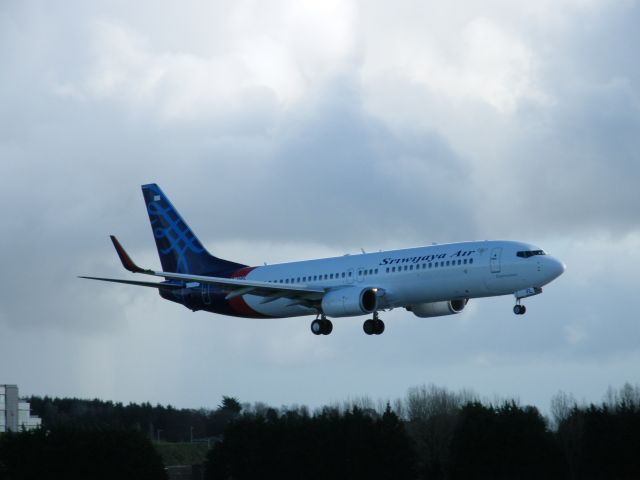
point(580, 172)
point(335, 175)
point(578, 162)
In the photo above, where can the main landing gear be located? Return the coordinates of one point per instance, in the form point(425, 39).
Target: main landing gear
point(373, 326)
point(321, 326)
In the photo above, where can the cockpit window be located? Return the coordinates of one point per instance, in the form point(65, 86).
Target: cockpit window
point(530, 253)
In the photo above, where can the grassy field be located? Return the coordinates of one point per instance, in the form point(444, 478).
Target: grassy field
point(182, 453)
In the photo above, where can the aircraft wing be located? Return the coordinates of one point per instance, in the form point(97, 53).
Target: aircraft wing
point(234, 286)
point(238, 287)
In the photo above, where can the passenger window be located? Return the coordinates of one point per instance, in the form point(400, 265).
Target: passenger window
point(331, 276)
point(447, 263)
point(343, 275)
point(429, 264)
point(387, 269)
point(375, 271)
point(459, 262)
point(465, 261)
point(393, 269)
point(471, 260)
point(406, 268)
point(410, 267)
point(349, 273)
point(326, 277)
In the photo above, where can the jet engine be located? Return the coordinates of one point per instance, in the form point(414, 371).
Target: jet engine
point(348, 302)
point(436, 309)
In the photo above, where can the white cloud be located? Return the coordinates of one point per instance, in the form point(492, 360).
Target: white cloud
point(466, 57)
point(271, 54)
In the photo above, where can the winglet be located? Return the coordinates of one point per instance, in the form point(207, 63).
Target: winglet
point(125, 258)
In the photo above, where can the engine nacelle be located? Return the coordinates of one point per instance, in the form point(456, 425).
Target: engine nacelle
point(351, 301)
point(436, 309)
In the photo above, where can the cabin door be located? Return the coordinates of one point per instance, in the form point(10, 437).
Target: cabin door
point(494, 261)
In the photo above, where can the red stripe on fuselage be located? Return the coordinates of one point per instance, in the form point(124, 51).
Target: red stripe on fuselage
point(238, 304)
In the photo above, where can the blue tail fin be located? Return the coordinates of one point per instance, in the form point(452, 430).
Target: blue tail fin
point(179, 249)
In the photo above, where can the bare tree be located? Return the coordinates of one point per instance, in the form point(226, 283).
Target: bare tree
point(628, 396)
point(561, 405)
point(432, 414)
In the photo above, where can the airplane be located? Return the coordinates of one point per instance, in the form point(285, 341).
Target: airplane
point(428, 281)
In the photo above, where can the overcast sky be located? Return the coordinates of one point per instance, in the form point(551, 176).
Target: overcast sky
point(287, 130)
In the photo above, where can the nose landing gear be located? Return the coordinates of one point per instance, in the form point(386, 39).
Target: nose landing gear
point(374, 326)
point(321, 326)
point(525, 293)
point(519, 309)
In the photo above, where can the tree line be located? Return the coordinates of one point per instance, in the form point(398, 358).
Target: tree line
point(437, 434)
point(159, 423)
point(432, 433)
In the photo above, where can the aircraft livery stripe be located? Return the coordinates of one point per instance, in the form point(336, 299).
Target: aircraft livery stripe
point(238, 304)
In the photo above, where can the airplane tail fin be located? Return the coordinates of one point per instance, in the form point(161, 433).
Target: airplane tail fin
point(179, 249)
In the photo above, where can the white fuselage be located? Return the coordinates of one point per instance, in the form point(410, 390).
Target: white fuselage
point(416, 275)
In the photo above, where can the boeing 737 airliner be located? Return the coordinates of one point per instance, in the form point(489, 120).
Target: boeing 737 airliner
point(427, 281)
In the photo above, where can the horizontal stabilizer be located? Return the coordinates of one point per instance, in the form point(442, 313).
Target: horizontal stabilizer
point(160, 286)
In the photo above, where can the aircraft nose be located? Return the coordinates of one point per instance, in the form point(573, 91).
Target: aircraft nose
point(555, 267)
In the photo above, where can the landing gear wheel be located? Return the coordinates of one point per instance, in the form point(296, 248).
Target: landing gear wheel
point(378, 326)
point(373, 326)
point(519, 309)
point(316, 327)
point(321, 326)
point(327, 327)
point(369, 327)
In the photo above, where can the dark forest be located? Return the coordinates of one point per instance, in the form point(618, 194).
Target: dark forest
point(432, 433)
